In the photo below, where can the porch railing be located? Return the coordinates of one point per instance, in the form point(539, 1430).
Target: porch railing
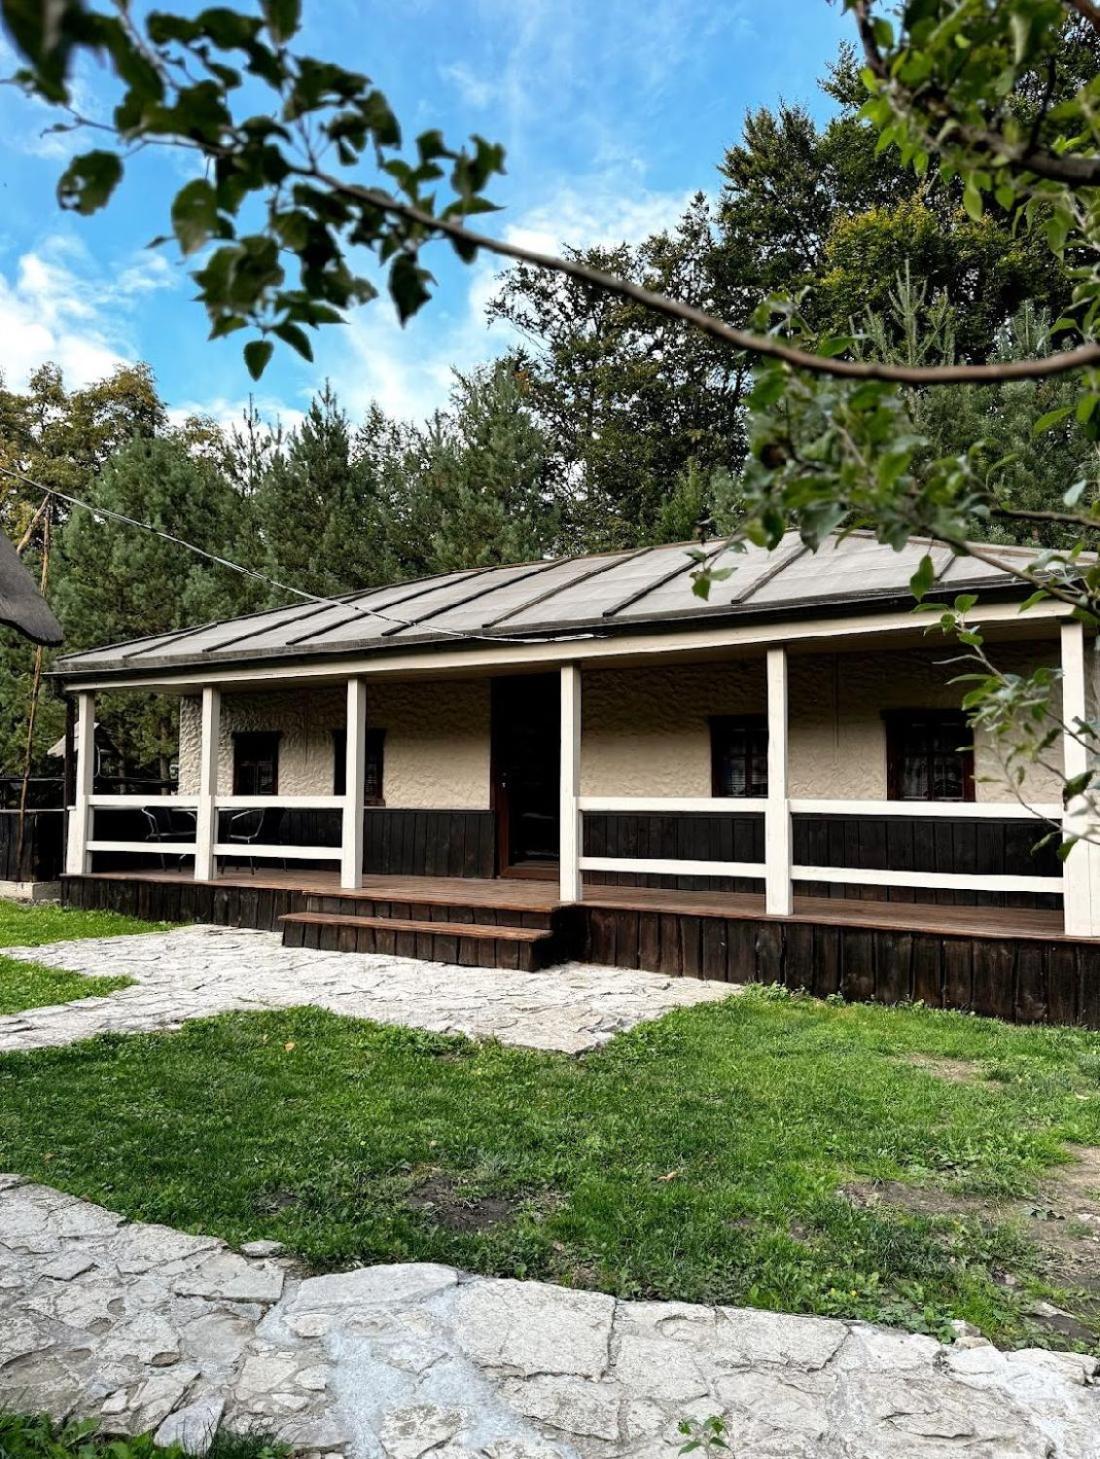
point(283, 851)
point(962, 881)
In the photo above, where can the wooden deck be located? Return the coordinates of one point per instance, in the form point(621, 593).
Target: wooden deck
point(520, 894)
point(1004, 962)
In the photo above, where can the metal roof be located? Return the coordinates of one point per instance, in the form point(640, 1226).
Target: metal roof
point(22, 606)
point(560, 598)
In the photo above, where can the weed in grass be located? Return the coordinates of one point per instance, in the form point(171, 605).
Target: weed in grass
point(37, 1436)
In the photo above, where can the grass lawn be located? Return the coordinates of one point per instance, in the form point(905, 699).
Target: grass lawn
point(29, 985)
point(722, 1154)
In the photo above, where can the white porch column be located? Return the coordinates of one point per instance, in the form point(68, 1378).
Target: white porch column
point(351, 860)
point(76, 851)
point(1081, 873)
point(570, 817)
point(778, 890)
point(206, 819)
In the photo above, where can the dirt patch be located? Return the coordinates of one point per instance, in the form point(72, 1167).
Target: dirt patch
point(1062, 1219)
point(955, 1071)
point(449, 1204)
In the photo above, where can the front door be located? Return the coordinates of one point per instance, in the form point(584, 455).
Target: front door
point(526, 768)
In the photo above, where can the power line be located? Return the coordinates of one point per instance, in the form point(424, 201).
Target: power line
point(253, 573)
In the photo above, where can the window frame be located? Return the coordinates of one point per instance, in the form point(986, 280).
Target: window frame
point(376, 755)
point(720, 726)
point(897, 722)
point(239, 737)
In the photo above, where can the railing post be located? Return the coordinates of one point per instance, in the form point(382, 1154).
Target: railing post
point(1081, 872)
point(76, 851)
point(351, 842)
point(778, 889)
point(569, 851)
point(206, 818)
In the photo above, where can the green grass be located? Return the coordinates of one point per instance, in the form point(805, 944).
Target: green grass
point(26, 985)
point(27, 924)
point(37, 1436)
point(700, 1157)
point(30, 985)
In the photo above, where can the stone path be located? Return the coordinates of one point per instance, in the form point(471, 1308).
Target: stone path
point(153, 1329)
point(194, 972)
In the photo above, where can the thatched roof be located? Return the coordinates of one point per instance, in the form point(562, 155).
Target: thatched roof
point(22, 606)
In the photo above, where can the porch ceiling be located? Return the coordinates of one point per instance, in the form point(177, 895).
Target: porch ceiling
point(574, 600)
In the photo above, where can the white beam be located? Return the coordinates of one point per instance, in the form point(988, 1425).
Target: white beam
point(1081, 876)
point(76, 852)
point(355, 771)
point(569, 853)
point(778, 891)
point(206, 819)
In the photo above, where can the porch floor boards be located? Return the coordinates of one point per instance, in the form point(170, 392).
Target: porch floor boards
point(517, 894)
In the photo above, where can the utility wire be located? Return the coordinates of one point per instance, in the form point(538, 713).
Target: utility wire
point(257, 576)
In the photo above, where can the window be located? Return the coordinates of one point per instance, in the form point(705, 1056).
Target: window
point(739, 755)
point(929, 755)
point(256, 762)
point(372, 781)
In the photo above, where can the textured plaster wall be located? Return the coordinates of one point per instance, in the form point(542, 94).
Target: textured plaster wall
point(645, 730)
point(436, 748)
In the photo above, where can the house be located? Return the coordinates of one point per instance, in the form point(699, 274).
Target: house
point(512, 765)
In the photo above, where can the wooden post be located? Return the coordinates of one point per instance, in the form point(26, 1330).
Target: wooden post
point(778, 889)
point(1081, 873)
point(206, 821)
point(76, 854)
point(569, 852)
point(351, 842)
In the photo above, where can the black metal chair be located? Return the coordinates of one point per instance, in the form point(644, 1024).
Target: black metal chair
point(164, 824)
point(257, 826)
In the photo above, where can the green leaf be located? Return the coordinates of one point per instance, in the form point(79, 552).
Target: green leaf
point(194, 214)
point(257, 352)
point(283, 18)
point(408, 285)
point(1051, 419)
point(295, 337)
point(972, 202)
point(87, 183)
point(923, 580)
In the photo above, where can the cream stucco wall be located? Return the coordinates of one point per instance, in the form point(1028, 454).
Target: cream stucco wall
point(436, 748)
point(645, 729)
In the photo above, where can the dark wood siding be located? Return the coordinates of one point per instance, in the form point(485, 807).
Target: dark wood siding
point(39, 854)
point(429, 843)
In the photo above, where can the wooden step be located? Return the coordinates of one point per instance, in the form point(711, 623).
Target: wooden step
point(469, 944)
point(450, 909)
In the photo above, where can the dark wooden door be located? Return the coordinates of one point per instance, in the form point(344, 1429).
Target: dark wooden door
point(526, 769)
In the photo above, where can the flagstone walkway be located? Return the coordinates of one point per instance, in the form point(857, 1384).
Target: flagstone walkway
point(152, 1329)
point(193, 972)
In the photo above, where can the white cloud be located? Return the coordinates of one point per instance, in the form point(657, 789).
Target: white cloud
point(409, 372)
point(58, 305)
point(475, 91)
point(230, 414)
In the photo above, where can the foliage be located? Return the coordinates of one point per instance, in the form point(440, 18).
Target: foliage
point(627, 399)
point(120, 582)
point(700, 1157)
point(38, 1436)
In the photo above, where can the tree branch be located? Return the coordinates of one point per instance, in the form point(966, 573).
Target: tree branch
point(769, 346)
point(1072, 170)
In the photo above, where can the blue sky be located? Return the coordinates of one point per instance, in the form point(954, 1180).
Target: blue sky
point(613, 113)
